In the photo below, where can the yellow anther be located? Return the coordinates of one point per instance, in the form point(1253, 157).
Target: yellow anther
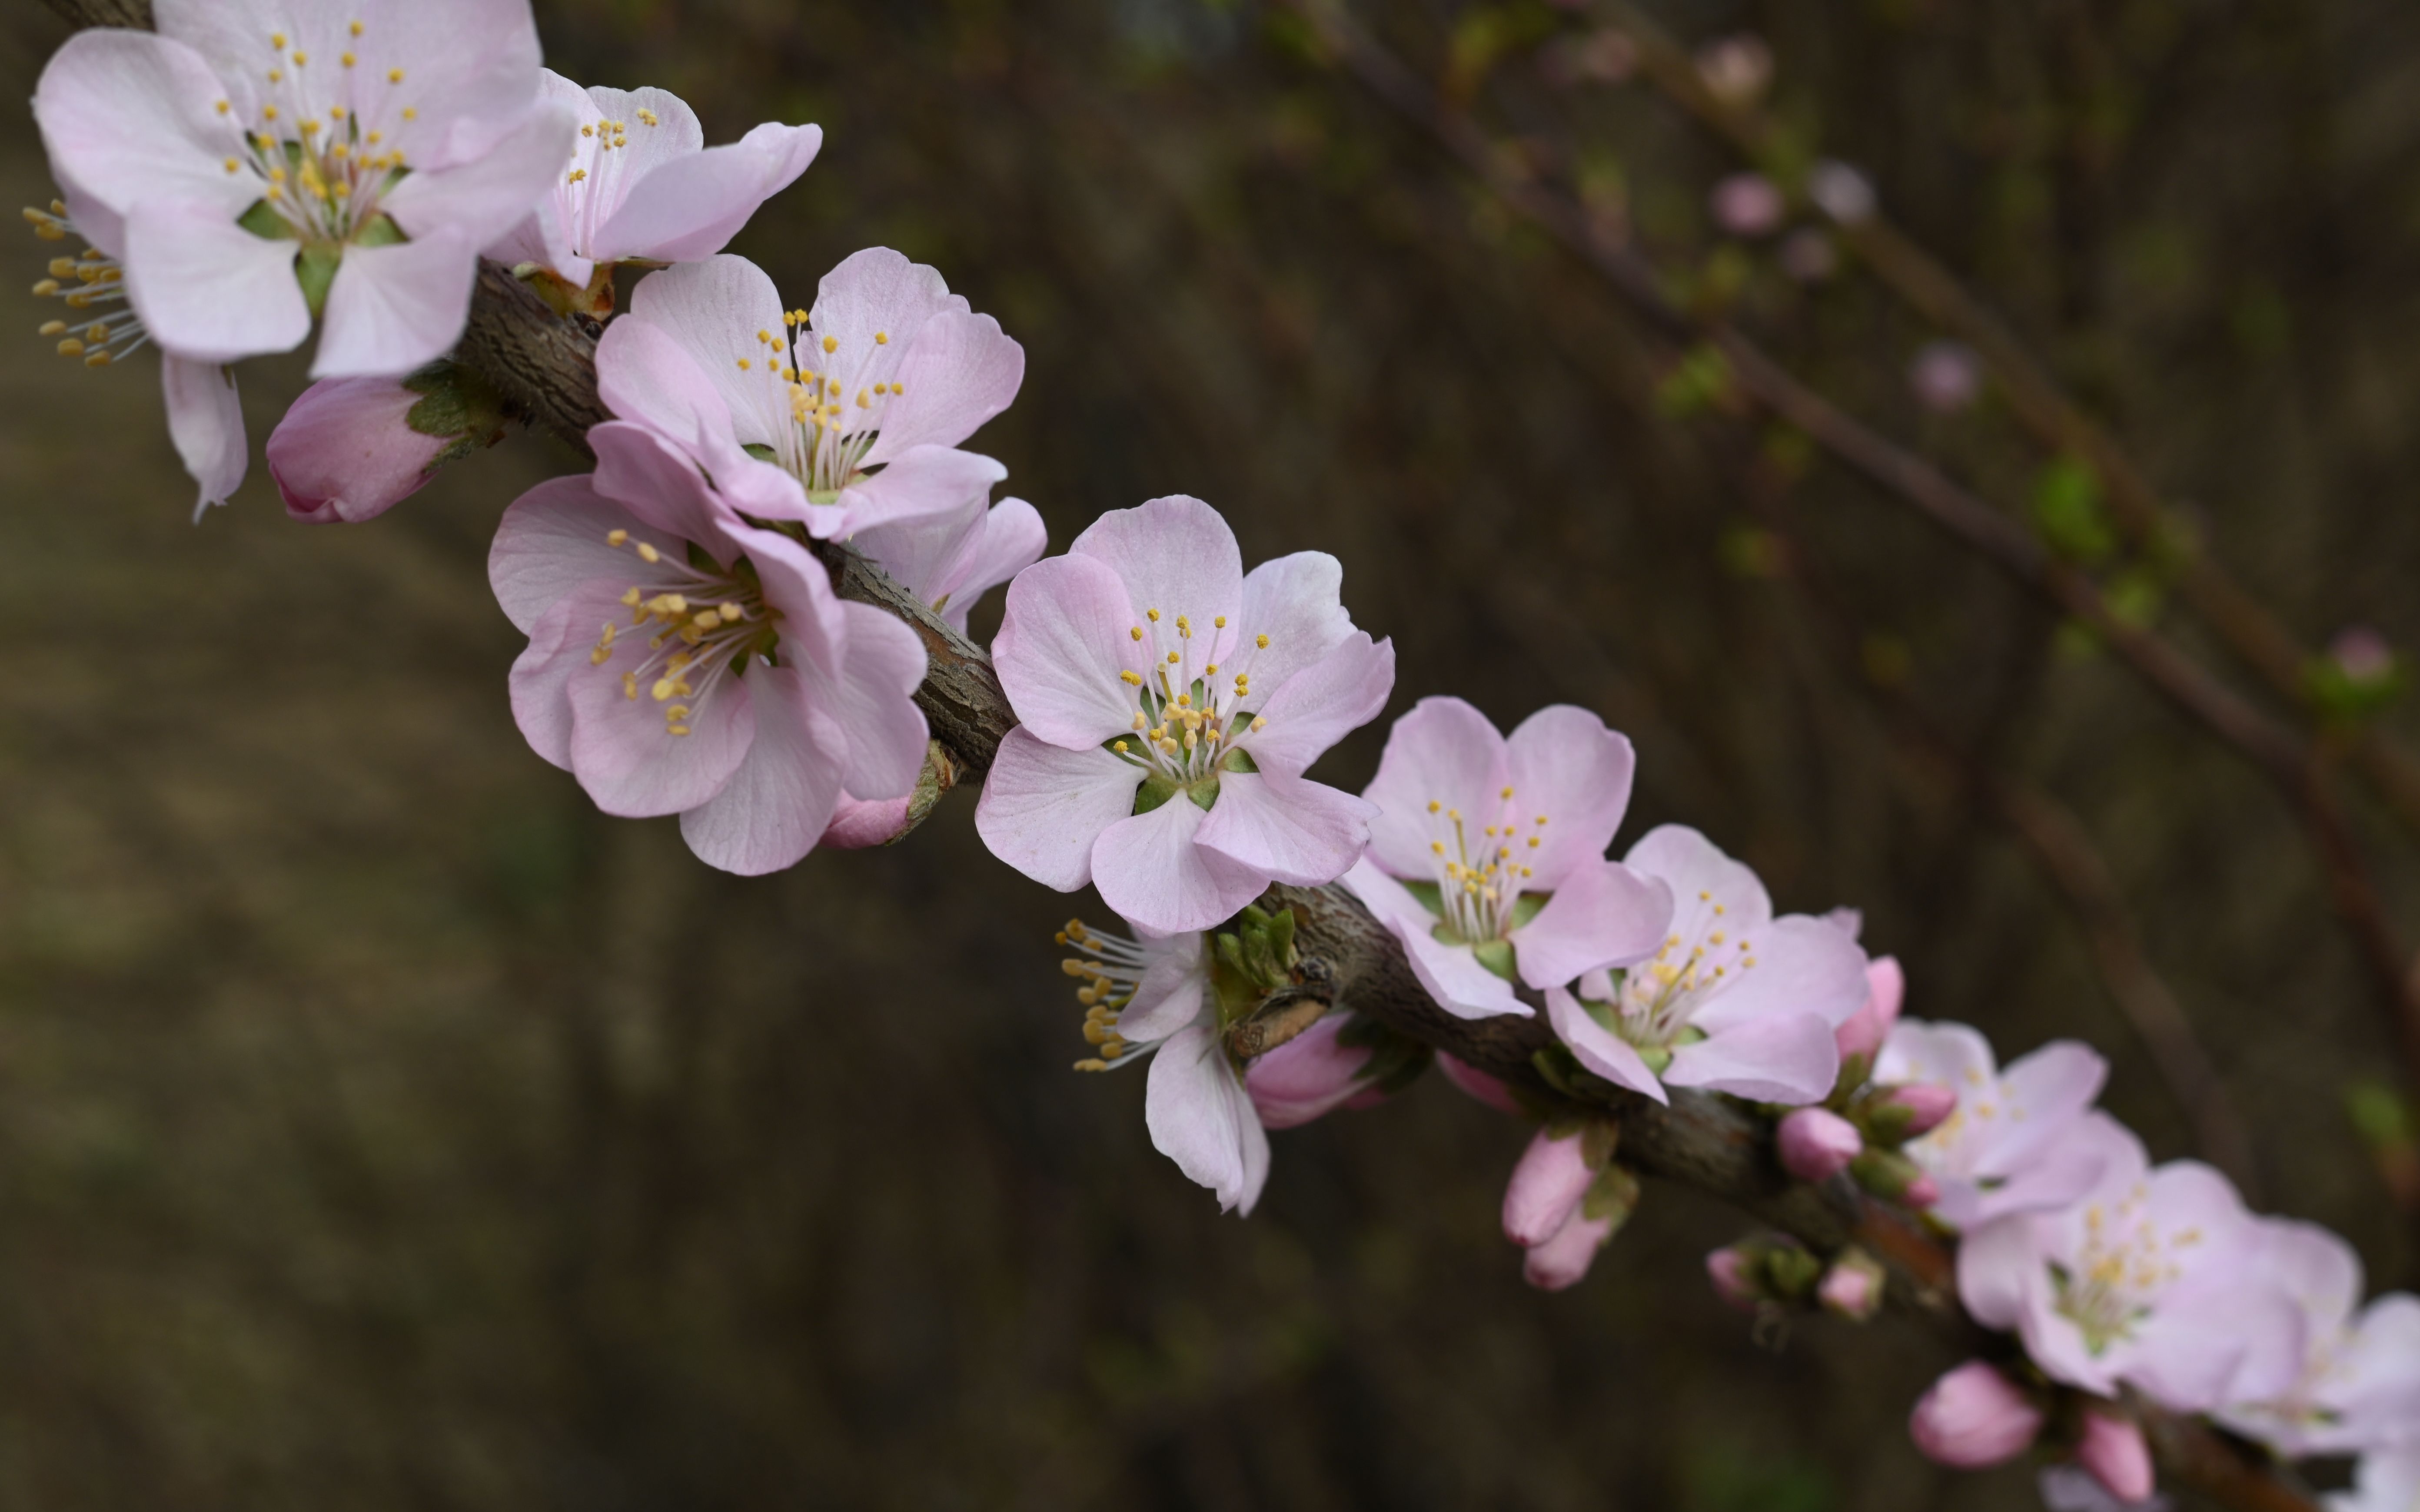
point(579, 174)
point(882, 338)
point(629, 685)
point(277, 76)
point(676, 729)
point(301, 58)
point(225, 106)
point(1172, 658)
point(63, 268)
point(1260, 723)
point(411, 113)
point(1261, 641)
point(615, 538)
point(277, 40)
point(649, 116)
point(232, 165)
point(45, 288)
point(1508, 792)
point(630, 597)
point(268, 113)
point(663, 689)
point(54, 328)
point(1151, 614)
point(649, 554)
point(346, 59)
point(1136, 633)
point(743, 364)
point(96, 333)
point(71, 347)
point(95, 359)
point(395, 77)
point(1131, 681)
point(831, 344)
point(1220, 623)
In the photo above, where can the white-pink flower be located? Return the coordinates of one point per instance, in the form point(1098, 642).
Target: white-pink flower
point(683, 661)
point(1732, 998)
point(1152, 997)
point(2152, 1279)
point(1487, 859)
point(643, 186)
point(844, 418)
point(266, 159)
point(2005, 1149)
point(1170, 705)
point(2359, 1385)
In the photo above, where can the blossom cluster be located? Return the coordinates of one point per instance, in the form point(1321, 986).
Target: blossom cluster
point(248, 173)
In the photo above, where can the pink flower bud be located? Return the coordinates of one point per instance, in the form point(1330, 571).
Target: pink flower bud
point(2114, 1451)
point(1927, 1104)
point(1974, 1417)
point(1852, 1288)
point(1817, 1145)
point(1945, 377)
point(1747, 205)
point(1562, 1260)
point(344, 452)
point(1867, 1029)
point(1546, 1191)
point(858, 824)
point(1306, 1076)
point(1921, 1192)
point(1734, 1274)
point(1478, 1084)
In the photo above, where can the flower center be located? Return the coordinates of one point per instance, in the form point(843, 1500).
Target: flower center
point(2124, 1265)
point(1185, 716)
point(704, 623)
point(1478, 878)
point(1656, 999)
point(596, 170)
point(324, 164)
point(1110, 969)
point(94, 286)
point(836, 400)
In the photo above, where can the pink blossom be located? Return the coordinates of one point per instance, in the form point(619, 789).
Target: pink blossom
point(1944, 377)
point(1478, 1084)
point(1864, 1031)
point(1547, 1188)
point(1308, 1075)
point(345, 451)
point(1733, 999)
point(2358, 1384)
point(1170, 705)
point(1927, 1106)
point(1816, 1144)
point(1563, 1262)
point(385, 142)
point(1973, 1417)
point(2387, 1481)
point(740, 692)
point(1150, 998)
point(643, 186)
point(844, 418)
point(2005, 1149)
point(1747, 205)
point(1487, 859)
point(1731, 1269)
point(1852, 1288)
point(2152, 1279)
point(2112, 1451)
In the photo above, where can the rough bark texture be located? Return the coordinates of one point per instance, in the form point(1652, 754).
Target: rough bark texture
point(545, 366)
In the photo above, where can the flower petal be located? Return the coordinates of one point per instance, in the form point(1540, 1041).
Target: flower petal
point(1148, 867)
point(560, 638)
point(952, 561)
point(1602, 916)
point(207, 289)
point(1286, 828)
point(686, 210)
point(484, 197)
point(1802, 965)
point(714, 311)
point(1563, 762)
point(784, 793)
point(132, 119)
point(1176, 555)
point(1693, 865)
point(395, 308)
point(644, 473)
point(1599, 1048)
point(1044, 805)
point(206, 423)
point(1445, 752)
point(551, 540)
point(923, 484)
point(647, 374)
point(1320, 705)
point(875, 293)
point(1294, 600)
point(873, 703)
point(961, 370)
point(1169, 995)
point(1201, 1116)
point(623, 750)
point(1450, 974)
point(1062, 648)
point(1306, 1078)
point(1787, 1058)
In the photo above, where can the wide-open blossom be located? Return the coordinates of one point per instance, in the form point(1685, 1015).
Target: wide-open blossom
point(1487, 858)
point(2359, 1384)
point(2387, 1481)
point(270, 158)
point(100, 327)
point(2005, 1149)
point(2152, 1279)
point(643, 186)
point(1732, 998)
point(1152, 997)
point(844, 417)
point(683, 661)
point(1169, 706)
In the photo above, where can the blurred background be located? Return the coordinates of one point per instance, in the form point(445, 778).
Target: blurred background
point(382, 1127)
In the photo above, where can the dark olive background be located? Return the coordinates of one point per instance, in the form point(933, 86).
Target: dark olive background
point(381, 1127)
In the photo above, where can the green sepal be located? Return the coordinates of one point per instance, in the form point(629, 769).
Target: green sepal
point(1614, 1195)
point(1152, 791)
point(314, 270)
point(262, 219)
point(1658, 1057)
point(456, 405)
point(379, 231)
point(1528, 905)
point(1251, 961)
point(1204, 794)
point(1239, 760)
point(761, 452)
point(1791, 1272)
point(1431, 899)
point(1496, 956)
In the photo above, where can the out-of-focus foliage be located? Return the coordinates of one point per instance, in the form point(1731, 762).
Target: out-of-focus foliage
point(380, 1128)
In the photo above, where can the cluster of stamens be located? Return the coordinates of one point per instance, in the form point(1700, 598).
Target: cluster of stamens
point(2126, 1261)
point(834, 416)
point(1110, 969)
point(1184, 718)
point(322, 169)
point(1660, 995)
point(606, 136)
point(1477, 886)
point(704, 626)
point(92, 285)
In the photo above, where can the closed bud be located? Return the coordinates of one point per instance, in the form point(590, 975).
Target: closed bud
point(1817, 1145)
point(1307, 1076)
point(1852, 1288)
point(1893, 1177)
point(1564, 1259)
point(1973, 1417)
point(1547, 1189)
point(1860, 1037)
point(1733, 1270)
point(1478, 1084)
point(351, 449)
point(1927, 1103)
point(2113, 1451)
